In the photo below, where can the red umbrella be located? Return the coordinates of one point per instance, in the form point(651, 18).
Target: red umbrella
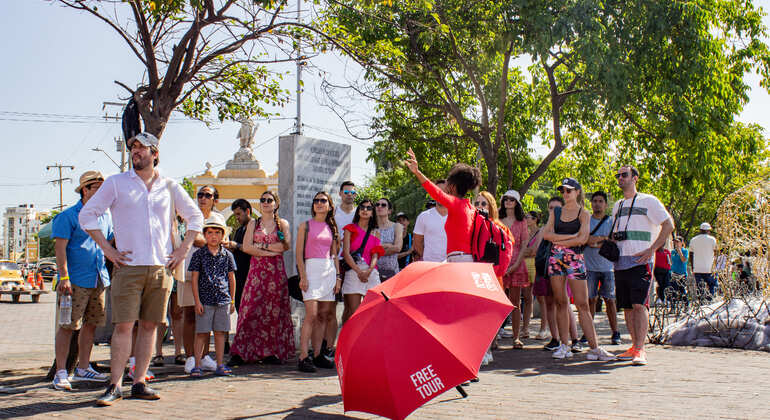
point(421, 333)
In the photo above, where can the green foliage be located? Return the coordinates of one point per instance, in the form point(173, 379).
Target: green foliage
point(189, 187)
point(47, 247)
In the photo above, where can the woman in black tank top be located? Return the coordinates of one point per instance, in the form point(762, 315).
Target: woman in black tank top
point(566, 266)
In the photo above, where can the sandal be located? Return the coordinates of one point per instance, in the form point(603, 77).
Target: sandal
point(223, 370)
point(179, 359)
point(517, 344)
point(157, 360)
point(196, 372)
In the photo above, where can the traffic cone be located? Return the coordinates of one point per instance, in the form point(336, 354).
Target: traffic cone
point(31, 279)
point(40, 284)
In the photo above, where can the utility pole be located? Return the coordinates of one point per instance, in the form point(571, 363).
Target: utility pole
point(299, 75)
point(59, 181)
point(120, 143)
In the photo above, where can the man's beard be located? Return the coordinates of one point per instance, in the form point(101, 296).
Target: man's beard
point(143, 163)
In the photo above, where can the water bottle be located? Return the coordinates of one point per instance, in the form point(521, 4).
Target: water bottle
point(65, 310)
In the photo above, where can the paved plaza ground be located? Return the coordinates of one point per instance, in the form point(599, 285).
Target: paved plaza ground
point(679, 383)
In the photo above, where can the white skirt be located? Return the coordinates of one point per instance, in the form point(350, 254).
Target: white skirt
point(353, 285)
point(321, 279)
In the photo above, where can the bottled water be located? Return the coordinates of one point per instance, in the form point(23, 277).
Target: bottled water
point(65, 310)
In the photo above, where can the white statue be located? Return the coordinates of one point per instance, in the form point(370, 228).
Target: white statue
point(247, 132)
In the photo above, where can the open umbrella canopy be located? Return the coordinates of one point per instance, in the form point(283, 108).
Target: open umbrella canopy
point(417, 335)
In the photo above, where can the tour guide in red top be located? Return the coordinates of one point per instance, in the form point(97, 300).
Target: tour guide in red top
point(461, 179)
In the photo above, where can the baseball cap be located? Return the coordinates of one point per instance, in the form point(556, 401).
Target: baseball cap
point(705, 226)
point(145, 138)
point(569, 183)
point(401, 214)
point(513, 194)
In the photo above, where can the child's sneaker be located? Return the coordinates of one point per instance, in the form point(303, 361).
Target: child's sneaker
point(223, 370)
point(600, 354)
point(89, 375)
point(147, 377)
point(207, 363)
point(61, 381)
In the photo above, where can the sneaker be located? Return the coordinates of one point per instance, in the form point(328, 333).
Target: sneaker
point(306, 365)
point(616, 338)
point(111, 395)
point(61, 381)
point(542, 335)
point(89, 375)
point(600, 354)
point(322, 362)
point(552, 345)
point(628, 354)
point(207, 363)
point(583, 340)
point(189, 364)
point(563, 352)
point(141, 391)
point(147, 377)
point(328, 353)
point(223, 370)
point(640, 358)
point(577, 347)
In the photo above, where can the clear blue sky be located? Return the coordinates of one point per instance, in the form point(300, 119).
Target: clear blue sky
point(58, 61)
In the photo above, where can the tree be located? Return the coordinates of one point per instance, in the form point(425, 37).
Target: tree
point(202, 56)
point(665, 71)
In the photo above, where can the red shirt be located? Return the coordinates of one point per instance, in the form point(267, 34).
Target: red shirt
point(662, 259)
point(459, 219)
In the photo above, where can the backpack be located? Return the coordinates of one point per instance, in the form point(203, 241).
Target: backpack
point(490, 244)
point(544, 250)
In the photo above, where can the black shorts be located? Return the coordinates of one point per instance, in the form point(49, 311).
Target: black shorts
point(632, 286)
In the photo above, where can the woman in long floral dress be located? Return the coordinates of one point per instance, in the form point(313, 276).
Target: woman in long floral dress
point(265, 332)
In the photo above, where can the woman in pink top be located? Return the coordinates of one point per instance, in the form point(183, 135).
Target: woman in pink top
point(318, 270)
point(362, 274)
point(516, 278)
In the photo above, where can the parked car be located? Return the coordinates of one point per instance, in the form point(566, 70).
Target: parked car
point(48, 270)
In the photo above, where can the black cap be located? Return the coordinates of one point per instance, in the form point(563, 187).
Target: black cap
point(569, 183)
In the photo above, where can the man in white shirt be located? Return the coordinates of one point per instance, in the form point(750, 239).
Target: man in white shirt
point(429, 233)
point(702, 248)
point(144, 206)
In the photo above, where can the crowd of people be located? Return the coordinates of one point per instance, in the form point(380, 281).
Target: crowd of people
point(197, 273)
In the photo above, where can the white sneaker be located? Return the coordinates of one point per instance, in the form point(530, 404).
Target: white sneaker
point(490, 359)
point(61, 381)
point(563, 352)
point(600, 354)
point(189, 364)
point(147, 376)
point(89, 375)
point(207, 363)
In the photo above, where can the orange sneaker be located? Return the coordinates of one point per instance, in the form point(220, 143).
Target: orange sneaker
point(640, 359)
point(628, 354)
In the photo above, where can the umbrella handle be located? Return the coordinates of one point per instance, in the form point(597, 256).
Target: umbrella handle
point(461, 391)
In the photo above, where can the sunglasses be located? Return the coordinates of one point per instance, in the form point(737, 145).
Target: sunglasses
point(206, 195)
point(349, 192)
point(320, 201)
point(622, 175)
point(367, 208)
point(508, 199)
point(481, 204)
point(267, 200)
point(565, 190)
point(381, 204)
point(90, 186)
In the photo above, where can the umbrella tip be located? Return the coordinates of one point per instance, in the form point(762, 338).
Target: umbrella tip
point(385, 296)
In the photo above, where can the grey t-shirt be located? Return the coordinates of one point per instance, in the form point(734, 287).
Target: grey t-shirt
point(594, 261)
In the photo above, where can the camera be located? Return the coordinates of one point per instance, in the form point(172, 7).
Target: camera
point(619, 236)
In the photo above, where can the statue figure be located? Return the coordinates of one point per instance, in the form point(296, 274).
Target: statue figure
point(247, 131)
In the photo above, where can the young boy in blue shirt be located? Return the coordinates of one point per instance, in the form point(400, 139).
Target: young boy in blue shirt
point(213, 284)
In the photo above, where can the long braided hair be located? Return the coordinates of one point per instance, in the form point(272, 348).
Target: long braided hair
point(329, 216)
point(275, 213)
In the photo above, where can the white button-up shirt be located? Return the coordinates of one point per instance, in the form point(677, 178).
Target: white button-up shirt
point(141, 218)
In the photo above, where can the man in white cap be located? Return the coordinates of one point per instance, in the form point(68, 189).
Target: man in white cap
point(83, 276)
point(144, 206)
point(702, 249)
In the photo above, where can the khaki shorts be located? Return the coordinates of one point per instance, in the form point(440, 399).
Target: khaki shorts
point(140, 293)
point(184, 293)
point(87, 307)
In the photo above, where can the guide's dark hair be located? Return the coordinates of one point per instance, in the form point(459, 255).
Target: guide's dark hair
point(242, 204)
point(464, 177)
point(518, 211)
point(440, 181)
point(600, 194)
point(556, 198)
point(372, 220)
point(345, 184)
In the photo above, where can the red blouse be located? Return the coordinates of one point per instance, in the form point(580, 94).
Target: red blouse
point(459, 221)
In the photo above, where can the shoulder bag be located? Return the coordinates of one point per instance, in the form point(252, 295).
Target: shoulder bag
point(176, 240)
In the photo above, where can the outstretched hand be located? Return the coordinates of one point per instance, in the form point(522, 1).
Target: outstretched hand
point(411, 162)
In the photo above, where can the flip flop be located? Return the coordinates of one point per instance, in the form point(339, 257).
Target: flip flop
point(196, 372)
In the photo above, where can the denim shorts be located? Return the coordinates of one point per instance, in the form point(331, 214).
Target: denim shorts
point(601, 283)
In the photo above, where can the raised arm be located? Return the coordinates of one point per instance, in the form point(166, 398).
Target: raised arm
point(582, 236)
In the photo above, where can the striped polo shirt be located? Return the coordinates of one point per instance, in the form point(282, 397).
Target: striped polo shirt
point(643, 226)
